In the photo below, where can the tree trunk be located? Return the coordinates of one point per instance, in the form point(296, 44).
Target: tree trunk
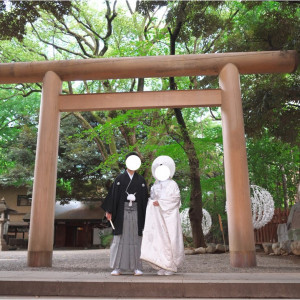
point(284, 186)
point(195, 211)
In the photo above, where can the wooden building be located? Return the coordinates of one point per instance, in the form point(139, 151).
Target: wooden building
point(77, 224)
point(16, 198)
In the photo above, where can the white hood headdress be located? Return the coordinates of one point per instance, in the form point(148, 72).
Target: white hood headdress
point(165, 161)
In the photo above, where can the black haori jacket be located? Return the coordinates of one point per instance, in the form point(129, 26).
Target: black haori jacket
point(114, 201)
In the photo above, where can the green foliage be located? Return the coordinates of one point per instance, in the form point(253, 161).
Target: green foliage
point(269, 101)
point(20, 157)
point(106, 240)
point(78, 156)
point(271, 164)
point(26, 12)
point(272, 102)
point(17, 136)
point(266, 25)
point(146, 6)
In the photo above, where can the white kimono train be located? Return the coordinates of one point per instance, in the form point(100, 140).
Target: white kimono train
point(162, 244)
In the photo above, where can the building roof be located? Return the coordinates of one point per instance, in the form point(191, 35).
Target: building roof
point(5, 208)
point(76, 210)
point(18, 224)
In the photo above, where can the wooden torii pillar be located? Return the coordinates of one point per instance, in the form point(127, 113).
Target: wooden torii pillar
point(228, 66)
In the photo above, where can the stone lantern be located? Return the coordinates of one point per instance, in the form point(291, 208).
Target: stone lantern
point(4, 218)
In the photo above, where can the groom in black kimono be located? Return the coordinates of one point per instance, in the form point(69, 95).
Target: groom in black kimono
point(125, 206)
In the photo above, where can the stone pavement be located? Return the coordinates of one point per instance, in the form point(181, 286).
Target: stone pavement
point(86, 273)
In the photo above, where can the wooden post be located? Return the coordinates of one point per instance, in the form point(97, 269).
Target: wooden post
point(44, 189)
point(240, 227)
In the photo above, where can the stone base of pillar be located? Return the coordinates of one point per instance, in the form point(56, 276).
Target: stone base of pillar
point(243, 259)
point(39, 259)
point(3, 245)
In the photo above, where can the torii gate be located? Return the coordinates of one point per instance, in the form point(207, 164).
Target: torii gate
point(228, 66)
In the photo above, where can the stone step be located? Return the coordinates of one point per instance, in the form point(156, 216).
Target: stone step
point(190, 285)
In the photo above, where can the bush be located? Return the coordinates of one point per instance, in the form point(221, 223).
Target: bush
point(106, 240)
point(188, 242)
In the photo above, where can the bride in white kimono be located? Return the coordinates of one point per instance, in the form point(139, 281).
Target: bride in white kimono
point(162, 244)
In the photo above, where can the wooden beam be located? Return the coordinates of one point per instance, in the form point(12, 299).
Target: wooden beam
point(139, 100)
point(150, 66)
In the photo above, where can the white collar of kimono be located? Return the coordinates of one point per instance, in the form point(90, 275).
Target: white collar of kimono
point(130, 175)
point(163, 168)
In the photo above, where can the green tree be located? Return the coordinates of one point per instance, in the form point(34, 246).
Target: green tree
point(27, 11)
point(274, 165)
point(18, 127)
point(269, 101)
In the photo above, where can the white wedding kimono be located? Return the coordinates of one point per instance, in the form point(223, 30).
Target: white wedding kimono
point(162, 244)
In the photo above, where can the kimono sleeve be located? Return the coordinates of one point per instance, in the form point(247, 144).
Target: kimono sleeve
point(145, 195)
point(108, 202)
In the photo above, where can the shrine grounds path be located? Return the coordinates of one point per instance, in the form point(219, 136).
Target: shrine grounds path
point(86, 273)
point(97, 261)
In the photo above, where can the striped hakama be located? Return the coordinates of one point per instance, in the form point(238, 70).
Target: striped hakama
point(125, 250)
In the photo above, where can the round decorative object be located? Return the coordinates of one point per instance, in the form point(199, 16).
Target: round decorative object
point(133, 162)
point(262, 205)
point(165, 161)
point(186, 224)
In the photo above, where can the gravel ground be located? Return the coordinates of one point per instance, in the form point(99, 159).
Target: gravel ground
point(97, 261)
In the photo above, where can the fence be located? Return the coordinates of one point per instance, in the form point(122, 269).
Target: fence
point(268, 233)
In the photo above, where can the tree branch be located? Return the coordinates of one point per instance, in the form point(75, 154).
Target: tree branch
point(36, 52)
point(86, 125)
point(4, 125)
point(109, 26)
point(128, 5)
point(89, 27)
point(80, 39)
point(213, 116)
point(208, 48)
point(56, 46)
